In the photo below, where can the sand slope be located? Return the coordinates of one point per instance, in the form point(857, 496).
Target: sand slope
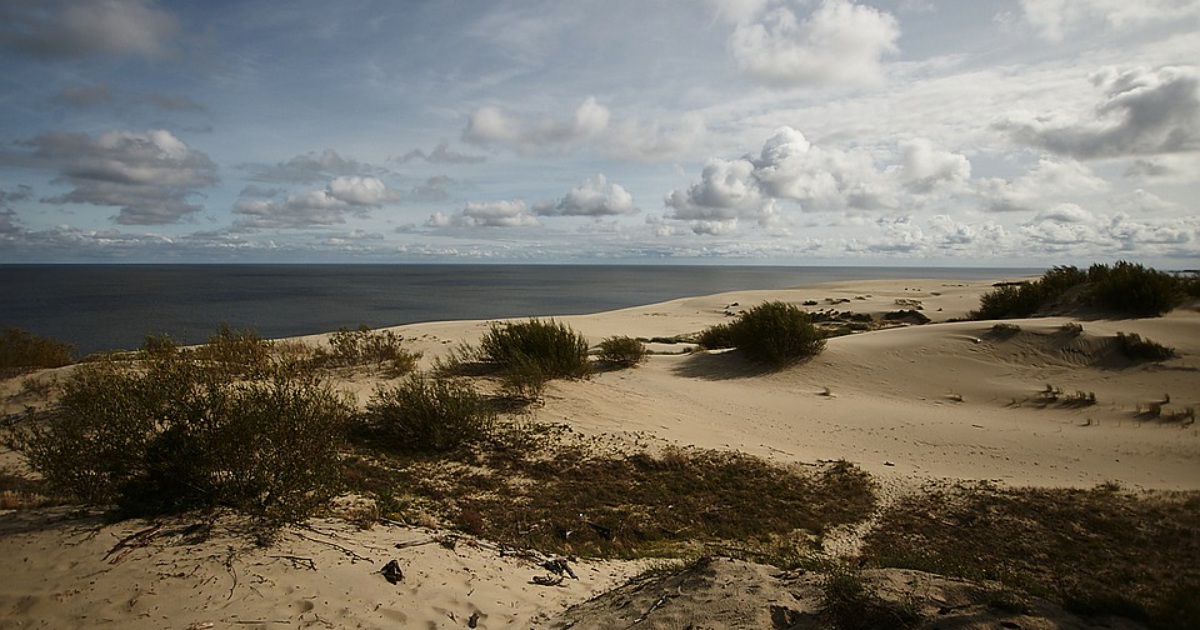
point(724, 593)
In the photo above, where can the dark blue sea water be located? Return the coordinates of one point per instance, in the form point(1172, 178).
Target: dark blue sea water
point(106, 307)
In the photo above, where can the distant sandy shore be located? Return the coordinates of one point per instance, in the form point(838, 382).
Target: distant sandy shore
point(912, 404)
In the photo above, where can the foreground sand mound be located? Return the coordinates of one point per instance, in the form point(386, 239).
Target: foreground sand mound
point(718, 593)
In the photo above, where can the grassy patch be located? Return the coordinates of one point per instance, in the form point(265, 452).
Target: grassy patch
point(1097, 551)
point(539, 489)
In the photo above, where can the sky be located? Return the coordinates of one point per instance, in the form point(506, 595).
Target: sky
point(888, 132)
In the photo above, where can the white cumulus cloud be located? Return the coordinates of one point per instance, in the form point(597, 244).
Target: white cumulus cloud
point(491, 125)
point(504, 214)
point(595, 197)
point(840, 42)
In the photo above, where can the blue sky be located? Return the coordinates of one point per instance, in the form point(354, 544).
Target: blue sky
point(908, 132)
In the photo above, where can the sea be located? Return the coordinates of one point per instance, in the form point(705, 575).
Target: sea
point(98, 308)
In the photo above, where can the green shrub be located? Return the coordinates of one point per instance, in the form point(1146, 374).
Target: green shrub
point(1133, 289)
point(553, 348)
point(622, 351)
point(177, 436)
point(716, 337)
point(777, 334)
point(428, 415)
point(21, 351)
point(1140, 349)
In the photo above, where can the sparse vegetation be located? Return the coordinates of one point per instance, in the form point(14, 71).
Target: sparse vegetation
point(535, 488)
point(622, 352)
point(176, 436)
point(1138, 349)
point(363, 346)
point(1098, 551)
point(21, 351)
point(427, 415)
point(1079, 399)
point(850, 604)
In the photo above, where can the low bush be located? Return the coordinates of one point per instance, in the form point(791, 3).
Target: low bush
point(777, 334)
point(1138, 349)
point(177, 436)
point(716, 337)
point(622, 351)
point(21, 351)
point(428, 415)
point(553, 348)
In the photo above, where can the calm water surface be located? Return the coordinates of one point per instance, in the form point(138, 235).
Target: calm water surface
point(106, 307)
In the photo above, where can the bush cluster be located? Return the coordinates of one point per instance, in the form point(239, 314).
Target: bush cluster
point(1124, 288)
point(21, 351)
point(1135, 290)
point(428, 415)
point(176, 436)
point(622, 351)
point(772, 333)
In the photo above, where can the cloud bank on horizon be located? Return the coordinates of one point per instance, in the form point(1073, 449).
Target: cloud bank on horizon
point(1005, 132)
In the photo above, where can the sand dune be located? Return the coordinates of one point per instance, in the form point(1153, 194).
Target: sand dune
point(910, 404)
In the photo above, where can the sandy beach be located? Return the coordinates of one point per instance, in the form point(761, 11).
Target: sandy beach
point(910, 405)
